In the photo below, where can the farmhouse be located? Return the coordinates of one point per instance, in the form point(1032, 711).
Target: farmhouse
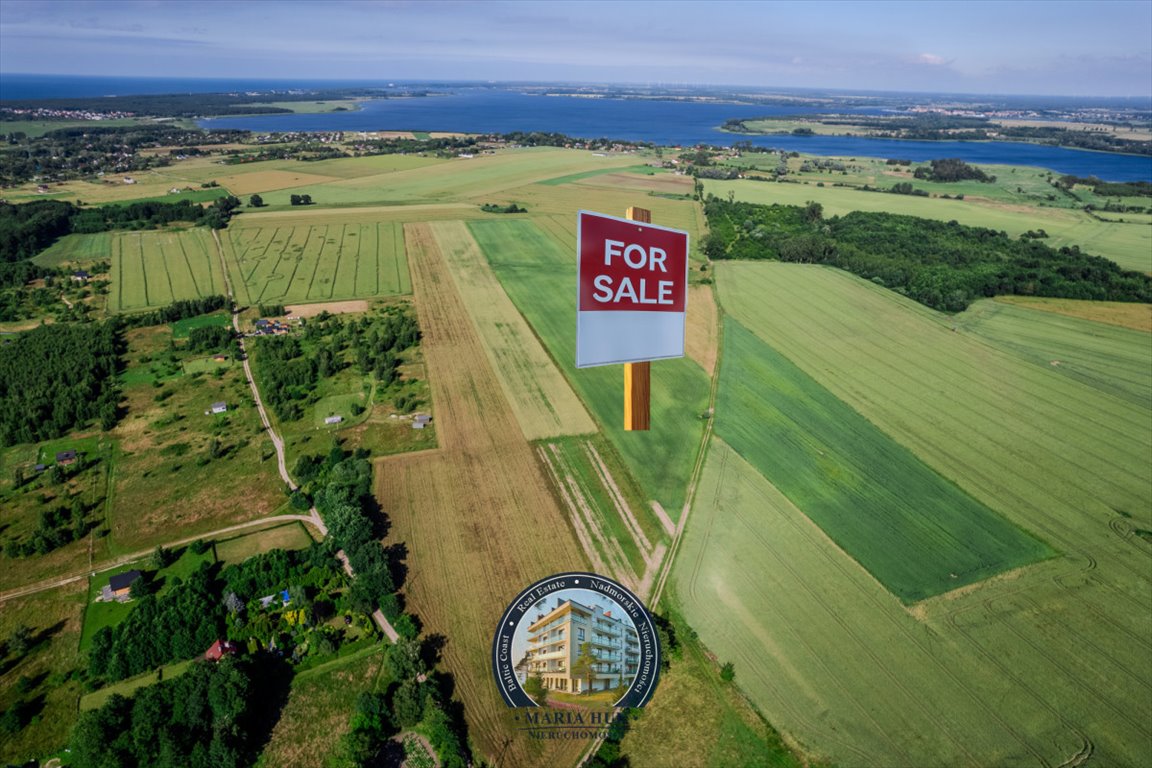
point(66, 458)
point(121, 584)
point(555, 640)
point(219, 407)
point(220, 649)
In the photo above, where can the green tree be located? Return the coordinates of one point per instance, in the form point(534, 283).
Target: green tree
point(534, 687)
point(256, 201)
point(728, 672)
point(408, 703)
point(585, 666)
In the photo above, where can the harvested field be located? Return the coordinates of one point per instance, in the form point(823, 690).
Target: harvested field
point(331, 307)
point(268, 181)
point(476, 515)
point(665, 183)
point(544, 403)
point(702, 329)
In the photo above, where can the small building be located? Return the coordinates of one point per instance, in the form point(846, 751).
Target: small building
point(220, 649)
point(39, 468)
point(420, 420)
point(121, 583)
point(261, 323)
point(333, 419)
point(220, 358)
point(66, 458)
point(219, 407)
point(81, 276)
point(129, 180)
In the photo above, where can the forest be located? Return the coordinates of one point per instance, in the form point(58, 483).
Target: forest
point(55, 378)
point(215, 715)
point(944, 265)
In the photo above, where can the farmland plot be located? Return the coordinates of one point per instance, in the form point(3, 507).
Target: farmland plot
point(543, 402)
point(1050, 663)
point(289, 262)
point(540, 278)
point(153, 269)
point(477, 515)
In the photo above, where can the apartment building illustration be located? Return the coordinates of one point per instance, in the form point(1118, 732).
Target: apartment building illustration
point(556, 637)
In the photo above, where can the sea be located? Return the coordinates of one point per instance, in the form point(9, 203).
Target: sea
point(496, 108)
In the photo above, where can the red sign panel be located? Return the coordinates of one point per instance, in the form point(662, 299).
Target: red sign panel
point(630, 266)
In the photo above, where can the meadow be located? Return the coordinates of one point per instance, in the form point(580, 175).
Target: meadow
point(153, 269)
point(538, 272)
point(1048, 662)
point(289, 262)
point(76, 249)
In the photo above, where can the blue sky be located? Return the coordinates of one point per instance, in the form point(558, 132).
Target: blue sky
point(1062, 47)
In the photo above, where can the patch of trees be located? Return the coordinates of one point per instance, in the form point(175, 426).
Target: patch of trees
point(182, 104)
point(951, 169)
point(180, 625)
point(906, 188)
point(209, 716)
point(300, 199)
point(211, 338)
point(497, 208)
point(55, 378)
point(55, 528)
point(272, 310)
point(177, 310)
point(287, 378)
point(1107, 188)
point(944, 265)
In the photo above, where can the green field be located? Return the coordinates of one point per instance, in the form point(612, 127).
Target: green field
point(1048, 663)
point(76, 248)
point(181, 328)
point(128, 687)
point(299, 262)
point(239, 548)
point(539, 275)
point(910, 528)
point(153, 269)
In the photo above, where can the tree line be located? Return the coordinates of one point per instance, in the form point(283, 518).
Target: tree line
point(944, 265)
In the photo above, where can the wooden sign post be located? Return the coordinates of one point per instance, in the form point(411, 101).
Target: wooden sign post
point(631, 300)
point(638, 376)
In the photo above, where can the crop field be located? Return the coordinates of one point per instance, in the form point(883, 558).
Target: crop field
point(356, 167)
point(287, 262)
point(76, 248)
point(1124, 314)
point(1048, 663)
point(544, 403)
point(473, 178)
point(618, 531)
point(239, 548)
point(251, 180)
point(1108, 358)
point(539, 275)
point(477, 515)
point(1129, 244)
point(914, 531)
point(153, 269)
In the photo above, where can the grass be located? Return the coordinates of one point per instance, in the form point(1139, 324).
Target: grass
point(54, 618)
point(1124, 314)
point(543, 401)
point(818, 643)
point(571, 177)
point(540, 276)
point(153, 269)
point(181, 328)
point(75, 249)
point(319, 710)
point(300, 262)
point(914, 531)
point(128, 687)
point(239, 548)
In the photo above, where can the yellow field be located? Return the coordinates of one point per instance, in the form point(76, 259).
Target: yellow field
point(541, 398)
point(702, 328)
point(1124, 314)
point(476, 515)
point(249, 181)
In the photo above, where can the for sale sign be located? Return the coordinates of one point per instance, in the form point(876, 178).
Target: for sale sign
point(631, 291)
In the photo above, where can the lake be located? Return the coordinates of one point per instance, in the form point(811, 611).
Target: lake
point(668, 123)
